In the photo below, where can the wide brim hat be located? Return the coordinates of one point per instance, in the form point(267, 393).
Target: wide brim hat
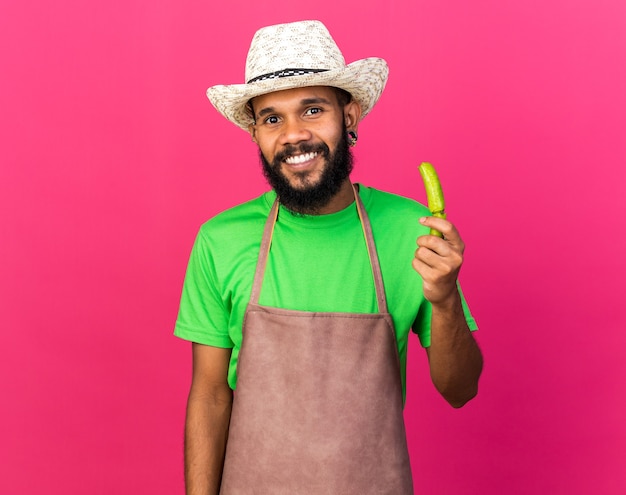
point(295, 55)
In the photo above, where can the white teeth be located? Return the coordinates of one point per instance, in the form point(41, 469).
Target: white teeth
point(297, 159)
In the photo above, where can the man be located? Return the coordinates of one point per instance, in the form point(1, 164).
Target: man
point(301, 300)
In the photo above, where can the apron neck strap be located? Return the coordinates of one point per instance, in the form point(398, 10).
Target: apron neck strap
point(371, 251)
point(266, 242)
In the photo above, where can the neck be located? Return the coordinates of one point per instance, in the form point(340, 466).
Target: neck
point(341, 200)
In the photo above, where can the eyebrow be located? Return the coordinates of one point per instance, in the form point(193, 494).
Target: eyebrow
point(304, 102)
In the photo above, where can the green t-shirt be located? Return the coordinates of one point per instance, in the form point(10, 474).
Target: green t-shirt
point(316, 263)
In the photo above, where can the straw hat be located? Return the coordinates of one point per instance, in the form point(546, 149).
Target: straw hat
point(294, 55)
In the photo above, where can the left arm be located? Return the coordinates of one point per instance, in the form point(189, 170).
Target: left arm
point(454, 357)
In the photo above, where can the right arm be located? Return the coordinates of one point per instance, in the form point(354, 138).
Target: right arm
point(208, 417)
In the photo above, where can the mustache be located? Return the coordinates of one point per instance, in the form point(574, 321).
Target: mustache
point(291, 149)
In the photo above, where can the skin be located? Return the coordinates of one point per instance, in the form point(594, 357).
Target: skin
point(314, 114)
point(455, 361)
point(208, 416)
point(304, 115)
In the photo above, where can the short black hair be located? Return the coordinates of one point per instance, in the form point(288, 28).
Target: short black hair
point(343, 96)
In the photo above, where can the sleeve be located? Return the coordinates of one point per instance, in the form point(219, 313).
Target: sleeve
point(202, 315)
point(421, 325)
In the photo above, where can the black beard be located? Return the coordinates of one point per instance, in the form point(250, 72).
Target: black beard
point(309, 199)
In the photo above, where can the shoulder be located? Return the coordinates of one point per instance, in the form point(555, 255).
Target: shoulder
point(242, 220)
point(389, 205)
point(394, 218)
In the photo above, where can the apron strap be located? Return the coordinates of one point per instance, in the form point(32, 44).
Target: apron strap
point(371, 251)
point(266, 242)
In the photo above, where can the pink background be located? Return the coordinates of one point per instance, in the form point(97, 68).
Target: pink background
point(111, 157)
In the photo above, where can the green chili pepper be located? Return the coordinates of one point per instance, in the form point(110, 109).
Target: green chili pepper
point(434, 194)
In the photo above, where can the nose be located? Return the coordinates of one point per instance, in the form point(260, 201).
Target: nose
point(294, 131)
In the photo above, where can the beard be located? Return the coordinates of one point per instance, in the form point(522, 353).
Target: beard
point(310, 198)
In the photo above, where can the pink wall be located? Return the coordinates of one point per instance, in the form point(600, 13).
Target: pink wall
point(111, 157)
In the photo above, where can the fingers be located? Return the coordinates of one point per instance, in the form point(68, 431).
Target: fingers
point(438, 278)
point(445, 255)
point(438, 260)
point(440, 257)
point(424, 269)
point(449, 231)
point(442, 225)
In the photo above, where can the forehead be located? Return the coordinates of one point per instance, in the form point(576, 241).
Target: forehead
point(295, 96)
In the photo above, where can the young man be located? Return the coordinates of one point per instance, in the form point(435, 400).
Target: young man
point(301, 300)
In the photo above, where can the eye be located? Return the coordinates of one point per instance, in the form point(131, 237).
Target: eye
point(272, 119)
point(313, 111)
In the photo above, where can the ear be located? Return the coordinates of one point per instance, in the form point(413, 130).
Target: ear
point(352, 115)
point(252, 131)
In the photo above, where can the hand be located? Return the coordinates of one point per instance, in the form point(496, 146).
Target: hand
point(438, 260)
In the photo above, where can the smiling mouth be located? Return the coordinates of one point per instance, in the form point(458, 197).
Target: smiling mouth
point(298, 159)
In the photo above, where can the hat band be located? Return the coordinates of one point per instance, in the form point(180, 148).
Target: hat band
point(285, 73)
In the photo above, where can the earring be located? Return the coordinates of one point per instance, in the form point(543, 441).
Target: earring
point(352, 138)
